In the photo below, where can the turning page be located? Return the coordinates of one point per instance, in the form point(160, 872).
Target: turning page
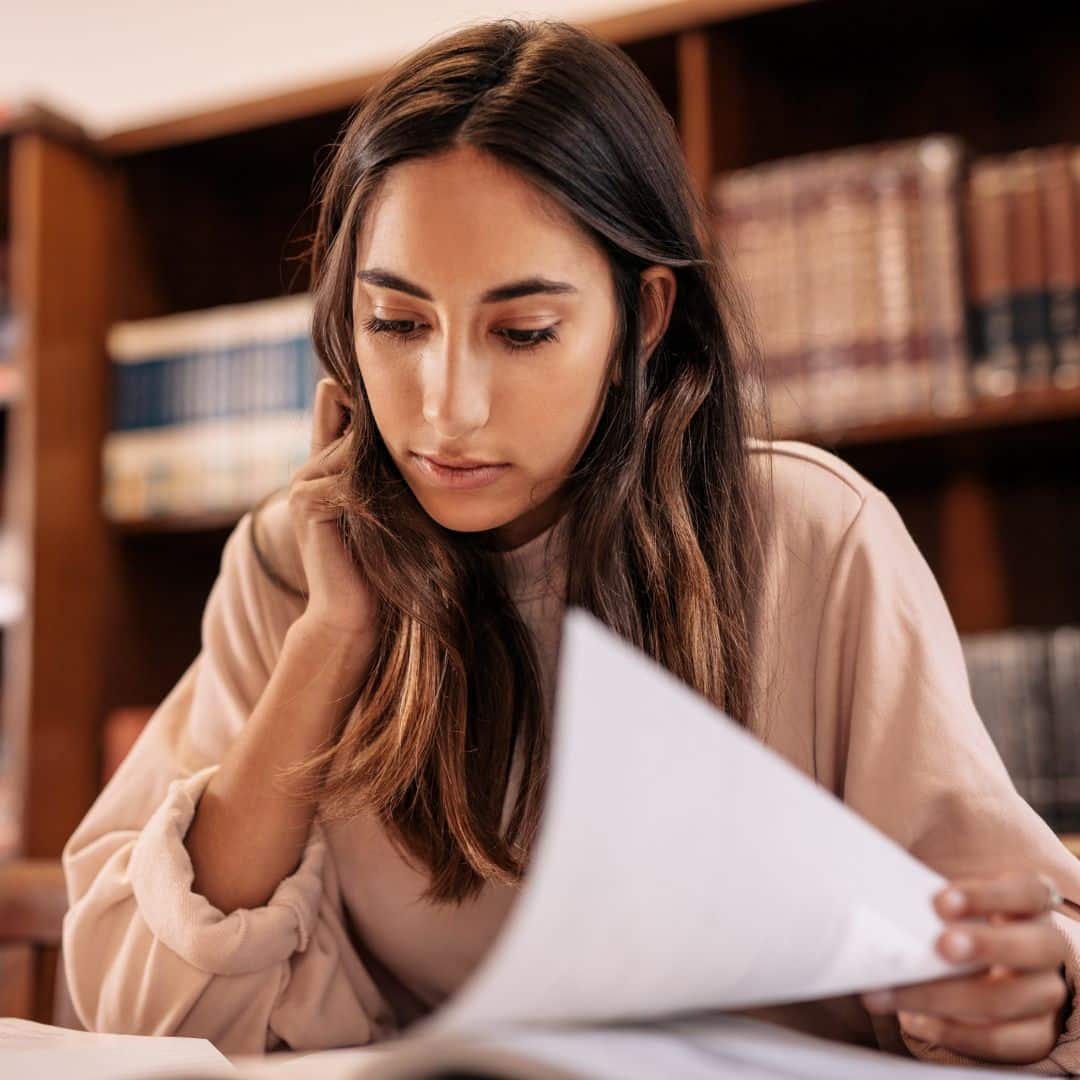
point(681, 865)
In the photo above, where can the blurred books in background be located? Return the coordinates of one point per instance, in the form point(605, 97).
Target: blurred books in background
point(904, 278)
point(1026, 686)
point(211, 409)
point(888, 280)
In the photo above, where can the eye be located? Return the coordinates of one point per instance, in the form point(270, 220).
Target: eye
point(532, 338)
point(388, 326)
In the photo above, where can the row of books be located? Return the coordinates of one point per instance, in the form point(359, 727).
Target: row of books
point(1026, 687)
point(906, 277)
point(206, 467)
point(885, 280)
point(235, 360)
point(211, 409)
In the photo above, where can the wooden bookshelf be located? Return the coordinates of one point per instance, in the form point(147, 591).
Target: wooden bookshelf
point(215, 208)
point(53, 404)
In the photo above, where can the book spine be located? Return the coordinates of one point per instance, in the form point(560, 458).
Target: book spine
point(894, 276)
point(1034, 724)
point(940, 159)
point(790, 312)
point(1061, 232)
point(996, 361)
point(917, 383)
point(741, 232)
point(842, 196)
point(1064, 679)
point(868, 356)
point(1027, 271)
point(813, 236)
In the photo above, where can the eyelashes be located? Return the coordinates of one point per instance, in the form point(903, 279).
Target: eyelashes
point(533, 338)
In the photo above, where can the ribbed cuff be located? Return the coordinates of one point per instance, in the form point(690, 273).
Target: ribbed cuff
point(246, 940)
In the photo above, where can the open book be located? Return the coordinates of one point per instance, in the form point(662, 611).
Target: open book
point(682, 868)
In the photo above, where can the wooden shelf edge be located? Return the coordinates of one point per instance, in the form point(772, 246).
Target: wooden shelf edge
point(1017, 410)
point(34, 116)
point(177, 523)
point(33, 899)
point(308, 100)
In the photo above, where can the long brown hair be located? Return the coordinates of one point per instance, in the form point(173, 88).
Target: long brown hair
point(660, 518)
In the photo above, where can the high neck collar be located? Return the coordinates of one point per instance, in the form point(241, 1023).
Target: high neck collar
point(536, 568)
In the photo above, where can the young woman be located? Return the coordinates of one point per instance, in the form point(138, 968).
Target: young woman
point(539, 393)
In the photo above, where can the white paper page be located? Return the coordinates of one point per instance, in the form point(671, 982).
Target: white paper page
point(759, 1044)
point(705, 1048)
point(44, 1052)
point(597, 1054)
point(343, 1063)
point(683, 865)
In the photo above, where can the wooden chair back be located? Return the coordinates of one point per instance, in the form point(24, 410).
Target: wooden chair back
point(33, 899)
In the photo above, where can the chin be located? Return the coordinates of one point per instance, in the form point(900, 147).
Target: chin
point(462, 514)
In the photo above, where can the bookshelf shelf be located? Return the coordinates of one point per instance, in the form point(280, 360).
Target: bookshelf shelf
point(1017, 411)
point(178, 523)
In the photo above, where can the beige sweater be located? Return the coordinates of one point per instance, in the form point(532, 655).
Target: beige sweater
point(866, 689)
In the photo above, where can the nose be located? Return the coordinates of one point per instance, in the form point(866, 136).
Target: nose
point(456, 391)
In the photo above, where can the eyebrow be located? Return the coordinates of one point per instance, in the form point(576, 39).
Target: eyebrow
point(511, 290)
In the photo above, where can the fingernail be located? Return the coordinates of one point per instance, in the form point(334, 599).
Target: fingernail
point(953, 901)
point(879, 1000)
point(959, 944)
point(917, 1024)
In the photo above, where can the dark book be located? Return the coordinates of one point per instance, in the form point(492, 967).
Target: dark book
point(1061, 231)
point(1027, 269)
point(1064, 678)
point(995, 360)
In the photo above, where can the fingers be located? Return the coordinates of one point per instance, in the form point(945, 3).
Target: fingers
point(976, 998)
point(1027, 945)
point(1015, 1042)
point(331, 413)
point(1009, 894)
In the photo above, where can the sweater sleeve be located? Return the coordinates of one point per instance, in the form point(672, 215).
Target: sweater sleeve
point(893, 705)
point(143, 952)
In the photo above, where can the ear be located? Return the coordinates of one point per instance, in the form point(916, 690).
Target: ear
point(657, 300)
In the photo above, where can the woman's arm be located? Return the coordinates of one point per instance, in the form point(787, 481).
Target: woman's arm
point(147, 954)
point(248, 834)
point(893, 708)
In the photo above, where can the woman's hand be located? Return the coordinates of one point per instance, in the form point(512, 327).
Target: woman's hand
point(1011, 1012)
point(339, 600)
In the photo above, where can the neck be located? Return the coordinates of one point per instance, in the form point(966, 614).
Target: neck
point(529, 525)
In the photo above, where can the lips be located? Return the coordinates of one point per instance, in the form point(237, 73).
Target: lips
point(456, 477)
point(463, 464)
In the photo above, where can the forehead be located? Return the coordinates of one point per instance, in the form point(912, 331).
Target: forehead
point(462, 218)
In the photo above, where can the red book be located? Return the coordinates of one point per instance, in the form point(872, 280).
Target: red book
point(122, 727)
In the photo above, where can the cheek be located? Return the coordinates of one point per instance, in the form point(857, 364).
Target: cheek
point(554, 414)
point(391, 392)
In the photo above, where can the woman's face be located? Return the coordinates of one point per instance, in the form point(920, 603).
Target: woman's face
point(443, 377)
